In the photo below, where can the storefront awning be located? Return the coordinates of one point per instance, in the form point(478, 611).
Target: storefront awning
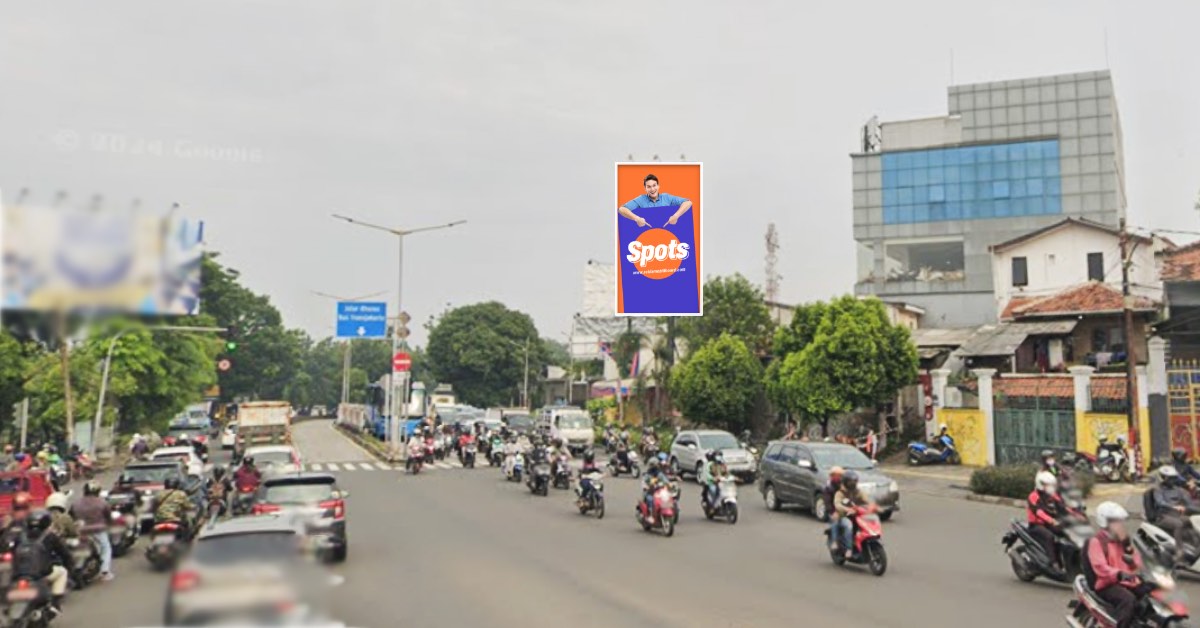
point(1003, 339)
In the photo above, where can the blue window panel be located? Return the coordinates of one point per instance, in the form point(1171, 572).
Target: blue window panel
point(951, 174)
point(1050, 150)
point(1017, 189)
point(920, 177)
point(890, 177)
point(966, 156)
point(1053, 205)
point(1016, 152)
point(1003, 210)
point(968, 192)
point(1053, 186)
point(1033, 150)
point(1034, 187)
point(921, 212)
point(1000, 189)
point(1036, 206)
point(937, 193)
point(890, 196)
point(954, 192)
point(905, 196)
point(1016, 169)
point(954, 211)
point(904, 160)
point(921, 194)
point(1034, 168)
point(1000, 171)
point(985, 209)
point(1020, 206)
point(937, 158)
point(920, 159)
point(937, 211)
point(890, 161)
point(889, 215)
point(983, 190)
point(904, 178)
point(936, 175)
point(954, 157)
point(983, 172)
point(1050, 167)
point(904, 214)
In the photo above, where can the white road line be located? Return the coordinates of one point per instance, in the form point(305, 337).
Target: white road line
point(333, 467)
point(366, 466)
point(314, 467)
point(384, 467)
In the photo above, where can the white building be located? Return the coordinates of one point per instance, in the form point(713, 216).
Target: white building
point(1067, 254)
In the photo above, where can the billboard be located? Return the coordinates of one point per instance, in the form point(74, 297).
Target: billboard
point(658, 228)
point(100, 261)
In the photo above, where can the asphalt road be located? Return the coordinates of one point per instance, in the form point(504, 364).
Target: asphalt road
point(456, 547)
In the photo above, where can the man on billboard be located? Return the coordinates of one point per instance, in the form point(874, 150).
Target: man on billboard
point(654, 198)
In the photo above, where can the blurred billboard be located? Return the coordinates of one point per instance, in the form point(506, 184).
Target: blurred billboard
point(100, 261)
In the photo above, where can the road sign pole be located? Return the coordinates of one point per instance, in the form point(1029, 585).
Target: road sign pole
point(395, 440)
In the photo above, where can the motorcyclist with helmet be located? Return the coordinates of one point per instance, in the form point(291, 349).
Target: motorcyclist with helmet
point(828, 493)
point(247, 477)
point(1045, 512)
point(1115, 564)
point(219, 488)
point(40, 554)
point(623, 448)
point(846, 502)
point(173, 505)
point(61, 523)
point(92, 512)
point(1186, 471)
point(1173, 506)
point(655, 476)
point(710, 473)
point(587, 473)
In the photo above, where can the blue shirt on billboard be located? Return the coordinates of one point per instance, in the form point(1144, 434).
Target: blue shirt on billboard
point(664, 200)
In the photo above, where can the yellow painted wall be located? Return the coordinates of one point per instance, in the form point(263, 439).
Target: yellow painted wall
point(1089, 426)
point(967, 427)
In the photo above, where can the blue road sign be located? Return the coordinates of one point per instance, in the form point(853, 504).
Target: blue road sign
point(358, 319)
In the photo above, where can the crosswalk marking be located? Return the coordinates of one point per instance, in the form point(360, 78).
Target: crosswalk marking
point(314, 466)
point(366, 466)
point(447, 464)
point(333, 467)
point(383, 466)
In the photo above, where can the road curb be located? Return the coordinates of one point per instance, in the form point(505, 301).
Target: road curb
point(992, 499)
point(370, 448)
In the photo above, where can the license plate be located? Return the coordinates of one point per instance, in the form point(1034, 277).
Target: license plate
point(163, 539)
point(22, 595)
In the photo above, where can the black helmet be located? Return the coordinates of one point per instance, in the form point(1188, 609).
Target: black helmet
point(39, 522)
point(218, 472)
point(558, 442)
point(171, 483)
point(589, 455)
point(1179, 454)
point(1048, 457)
point(248, 461)
point(711, 455)
point(91, 489)
point(850, 479)
point(718, 457)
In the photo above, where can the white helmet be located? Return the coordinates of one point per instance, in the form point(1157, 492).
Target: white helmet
point(1167, 472)
point(943, 427)
point(57, 500)
point(1045, 481)
point(1109, 512)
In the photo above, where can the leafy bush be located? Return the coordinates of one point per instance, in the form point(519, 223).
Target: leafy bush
point(1016, 481)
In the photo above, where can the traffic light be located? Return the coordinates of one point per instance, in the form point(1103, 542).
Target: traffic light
point(231, 339)
point(231, 346)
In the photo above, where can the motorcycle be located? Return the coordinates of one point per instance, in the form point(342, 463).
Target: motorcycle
point(649, 445)
point(123, 527)
point(616, 468)
point(496, 452)
point(1111, 462)
point(413, 462)
point(539, 479)
point(868, 543)
point(663, 516)
point(562, 473)
point(591, 500)
point(168, 541)
point(243, 501)
point(85, 553)
point(1161, 607)
point(610, 442)
point(28, 604)
point(513, 464)
point(726, 503)
point(1029, 559)
point(923, 453)
point(61, 475)
point(468, 455)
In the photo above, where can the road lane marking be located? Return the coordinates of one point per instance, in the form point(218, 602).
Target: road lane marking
point(333, 467)
point(366, 466)
point(384, 467)
point(314, 467)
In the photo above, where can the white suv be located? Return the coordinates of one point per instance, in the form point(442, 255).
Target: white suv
point(690, 447)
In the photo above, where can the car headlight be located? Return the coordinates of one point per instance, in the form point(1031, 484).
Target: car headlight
point(893, 487)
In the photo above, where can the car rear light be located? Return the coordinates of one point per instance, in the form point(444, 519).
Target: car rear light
point(23, 584)
point(262, 509)
point(166, 527)
point(6, 557)
point(337, 506)
point(184, 580)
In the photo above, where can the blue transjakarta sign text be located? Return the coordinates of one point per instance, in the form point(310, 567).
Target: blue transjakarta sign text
point(357, 319)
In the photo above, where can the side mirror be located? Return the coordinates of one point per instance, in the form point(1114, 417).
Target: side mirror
point(805, 464)
point(691, 446)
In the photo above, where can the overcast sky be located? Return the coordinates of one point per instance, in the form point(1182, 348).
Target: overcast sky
point(509, 114)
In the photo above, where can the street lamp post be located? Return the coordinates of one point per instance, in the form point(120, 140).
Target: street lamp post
point(112, 344)
point(389, 394)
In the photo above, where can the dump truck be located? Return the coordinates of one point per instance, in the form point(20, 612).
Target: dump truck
point(262, 423)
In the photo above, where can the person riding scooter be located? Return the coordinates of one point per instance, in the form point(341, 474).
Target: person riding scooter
point(1172, 507)
point(173, 505)
point(713, 470)
point(1115, 564)
point(587, 473)
point(219, 488)
point(1186, 471)
point(41, 555)
point(247, 477)
point(1046, 511)
point(847, 501)
point(61, 523)
point(623, 449)
point(654, 477)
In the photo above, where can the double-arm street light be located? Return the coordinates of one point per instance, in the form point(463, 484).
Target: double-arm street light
point(112, 344)
point(390, 396)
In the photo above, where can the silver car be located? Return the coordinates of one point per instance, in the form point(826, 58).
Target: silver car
point(796, 473)
point(690, 448)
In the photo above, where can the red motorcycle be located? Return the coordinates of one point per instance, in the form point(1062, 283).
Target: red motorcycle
point(1162, 606)
point(868, 542)
point(663, 516)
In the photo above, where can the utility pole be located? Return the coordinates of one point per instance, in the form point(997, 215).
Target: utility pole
point(64, 349)
point(1130, 355)
point(525, 388)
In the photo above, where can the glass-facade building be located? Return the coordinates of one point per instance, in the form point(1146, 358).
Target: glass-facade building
point(932, 195)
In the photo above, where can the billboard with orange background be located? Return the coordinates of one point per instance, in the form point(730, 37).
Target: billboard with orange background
point(658, 229)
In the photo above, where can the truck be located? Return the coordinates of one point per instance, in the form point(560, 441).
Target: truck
point(262, 423)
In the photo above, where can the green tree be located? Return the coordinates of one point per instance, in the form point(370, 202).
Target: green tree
point(719, 384)
point(734, 306)
point(480, 349)
point(15, 358)
point(856, 358)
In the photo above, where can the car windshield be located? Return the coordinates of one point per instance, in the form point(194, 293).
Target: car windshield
point(272, 457)
point(519, 419)
point(575, 421)
point(150, 475)
point(185, 431)
point(844, 457)
point(244, 548)
point(718, 441)
point(182, 456)
point(296, 493)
